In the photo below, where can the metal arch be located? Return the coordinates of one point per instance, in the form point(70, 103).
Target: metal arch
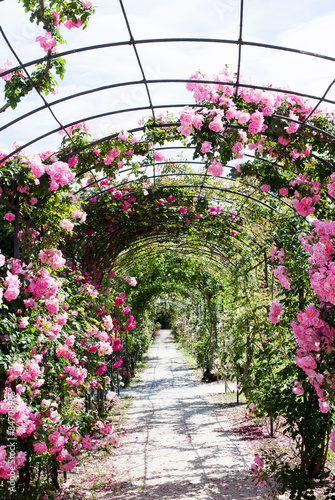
point(78, 150)
point(167, 40)
point(40, 95)
point(132, 42)
point(220, 189)
point(239, 43)
point(250, 222)
point(157, 238)
point(205, 187)
point(142, 108)
point(203, 254)
point(145, 236)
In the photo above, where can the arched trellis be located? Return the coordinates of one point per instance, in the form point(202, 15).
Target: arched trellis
point(146, 81)
point(218, 194)
point(210, 244)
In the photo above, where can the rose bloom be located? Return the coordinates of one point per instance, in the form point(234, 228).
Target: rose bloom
point(158, 156)
point(206, 147)
point(66, 225)
point(24, 322)
point(215, 168)
point(40, 447)
point(9, 216)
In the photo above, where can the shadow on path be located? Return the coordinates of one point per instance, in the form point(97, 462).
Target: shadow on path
point(179, 445)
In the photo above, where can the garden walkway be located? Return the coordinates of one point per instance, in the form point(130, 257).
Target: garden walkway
point(178, 446)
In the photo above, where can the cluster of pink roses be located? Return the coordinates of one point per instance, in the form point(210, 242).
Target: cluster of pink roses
point(313, 334)
point(281, 274)
point(7, 467)
point(275, 311)
point(52, 257)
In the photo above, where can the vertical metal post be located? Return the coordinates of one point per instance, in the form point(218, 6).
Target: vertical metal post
point(266, 269)
point(17, 229)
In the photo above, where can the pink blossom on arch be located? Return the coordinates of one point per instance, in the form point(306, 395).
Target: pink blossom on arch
point(306, 362)
point(117, 364)
point(56, 16)
point(9, 216)
point(275, 311)
point(298, 388)
point(11, 293)
point(256, 122)
point(183, 210)
point(52, 305)
point(40, 447)
point(47, 42)
point(283, 191)
point(123, 136)
point(86, 4)
point(119, 301)
point(73, 161)
point(70, 24)
point(215, 168)
point(281, 274)
point(266, 188)
point(52, 257)
point(15, 370)
point(304, 206)
point(60, 174)
point(87, 442)
point(206, 147)
point(108, 323)
point(158, 156)
point(117, 345)
point(258, 461)
point(5, 67)
point(66, 225)
point(24, 322)
point(216, 125)
point(237, 147)
point(282, 140)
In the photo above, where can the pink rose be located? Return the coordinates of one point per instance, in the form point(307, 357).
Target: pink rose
point(40, 447)
point(52, 306)
point(9, 216)
point(206, 147)
point(47, 42)
point(182, 210)
point(24, 322)
point(73, 161)
point(158, 156)
point(215, 168)
point(66, 225)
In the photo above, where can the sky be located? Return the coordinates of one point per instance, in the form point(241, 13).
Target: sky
point(301, 24)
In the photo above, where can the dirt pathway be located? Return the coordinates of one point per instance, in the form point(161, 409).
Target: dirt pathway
point(178, 447)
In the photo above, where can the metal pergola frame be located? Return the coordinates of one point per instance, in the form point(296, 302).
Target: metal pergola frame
point(146, 82)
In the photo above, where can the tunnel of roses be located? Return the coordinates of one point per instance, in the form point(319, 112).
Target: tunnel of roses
point(220, 219)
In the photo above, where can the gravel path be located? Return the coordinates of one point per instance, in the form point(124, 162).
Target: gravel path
point(178, 446)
